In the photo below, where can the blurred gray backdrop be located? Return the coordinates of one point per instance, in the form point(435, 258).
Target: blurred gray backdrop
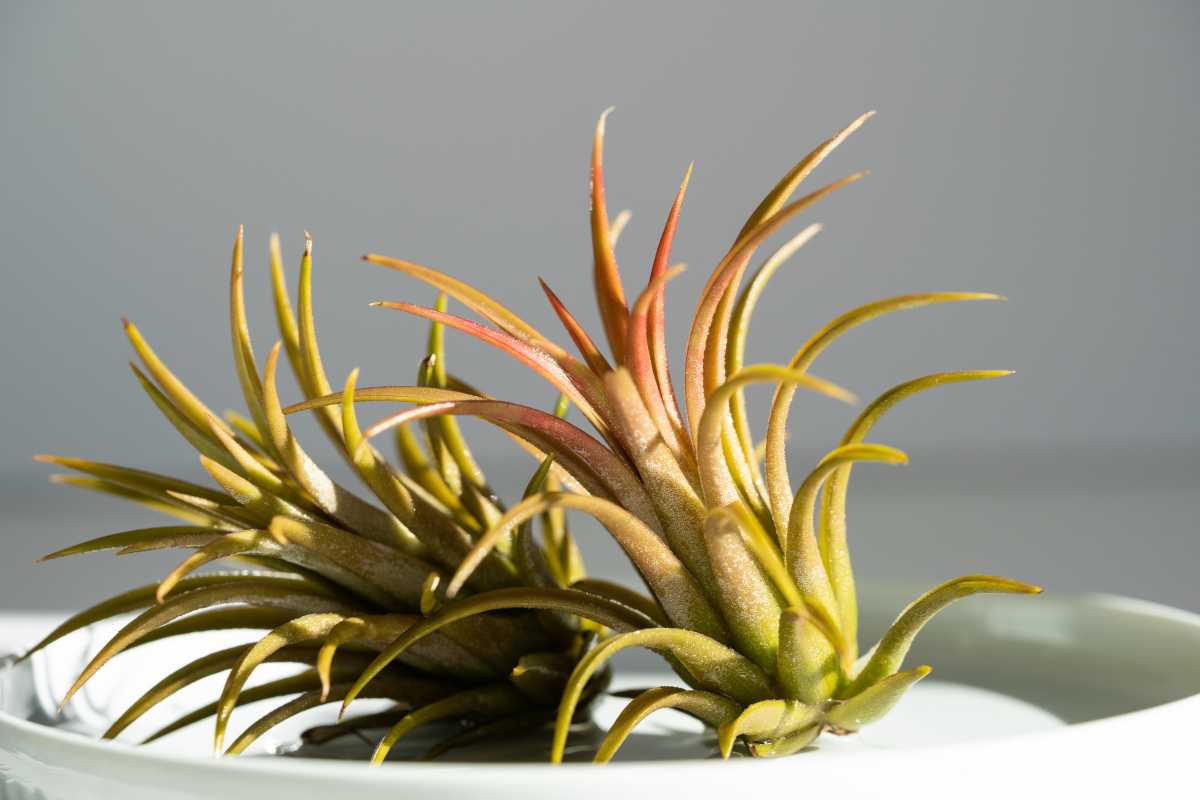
point(1043, 150)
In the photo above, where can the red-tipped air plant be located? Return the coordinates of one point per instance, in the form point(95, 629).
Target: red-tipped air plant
point(751, 593)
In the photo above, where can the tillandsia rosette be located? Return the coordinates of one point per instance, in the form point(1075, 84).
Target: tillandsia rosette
point(337, 578)
point(752, 597)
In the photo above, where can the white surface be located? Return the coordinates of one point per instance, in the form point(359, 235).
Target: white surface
point(1084, 657)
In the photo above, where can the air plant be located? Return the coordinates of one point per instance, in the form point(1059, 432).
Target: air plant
point(751, 593)
point(338, 578)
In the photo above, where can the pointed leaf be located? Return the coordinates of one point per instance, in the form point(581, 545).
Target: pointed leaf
point(132, 600)
point(598, 469)
point(260, 592)
point(411, 690)
point(606, 612)
point(796, 175)
point(174, 534)
point(697, 383)
point(765, 721)
point(587, 348)
point(831, 530)
point(893, 647)
point(578, 384)
point(243, 352)
point(874, 702)
point(713, 709)
point(212, 664)
point(640, 361)
point(779, 486)
point(681, 597)
point(353, 512)
point(302, 629)
point(715, 479)
point(199, 439)
point(710, 665)
point(610, 295)
point(739, 326)
point(800, 547)
point(488, 702)
point(473, 299)
point(163, 505)
point(187, 403)
point(140, 480)
point(786, 745)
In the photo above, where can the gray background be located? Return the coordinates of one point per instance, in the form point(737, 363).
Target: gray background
point(1046, 151)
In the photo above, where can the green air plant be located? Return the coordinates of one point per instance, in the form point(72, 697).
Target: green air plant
point(338, 578)
point(753, 595)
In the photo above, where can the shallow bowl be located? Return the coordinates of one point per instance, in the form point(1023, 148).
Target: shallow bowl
point(1059, 693)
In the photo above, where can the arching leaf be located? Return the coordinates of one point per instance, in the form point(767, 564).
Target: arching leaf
point(889, 654)
point(713, 709)
point(710, 665)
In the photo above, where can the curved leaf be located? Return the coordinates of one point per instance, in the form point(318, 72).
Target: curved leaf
point(800, 545)
point(713, 709)
point(302, 629)
point(739, 327)
point(715, 479)
point(779, 488)
point(610, 294)
point(243, 352)
point(831, 530)
point(141, 538)
point(696, 380)
point(677, 591)
point(874, 702)
point(711, 666)
point(473, 299)
point(780, 193)
point(411, 690)
point(212, 664)
point(487, 702)
point(889, 654)
point(218, 619)
point(265, 691)
point(620, 593)
point(640, 362)
point(188, 404)
point(134, 599)
point(579, 384)
point(260, 592)
point(344, 506)
point(786, 745)
point(606, 612)
point(587, 348)
point(597, 468)
point(767, 720)
point(225, 546)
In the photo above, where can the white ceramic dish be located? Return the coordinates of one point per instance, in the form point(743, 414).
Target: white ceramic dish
point(1078, 694)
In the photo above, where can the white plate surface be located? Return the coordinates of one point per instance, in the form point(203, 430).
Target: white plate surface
point(1064, 693)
